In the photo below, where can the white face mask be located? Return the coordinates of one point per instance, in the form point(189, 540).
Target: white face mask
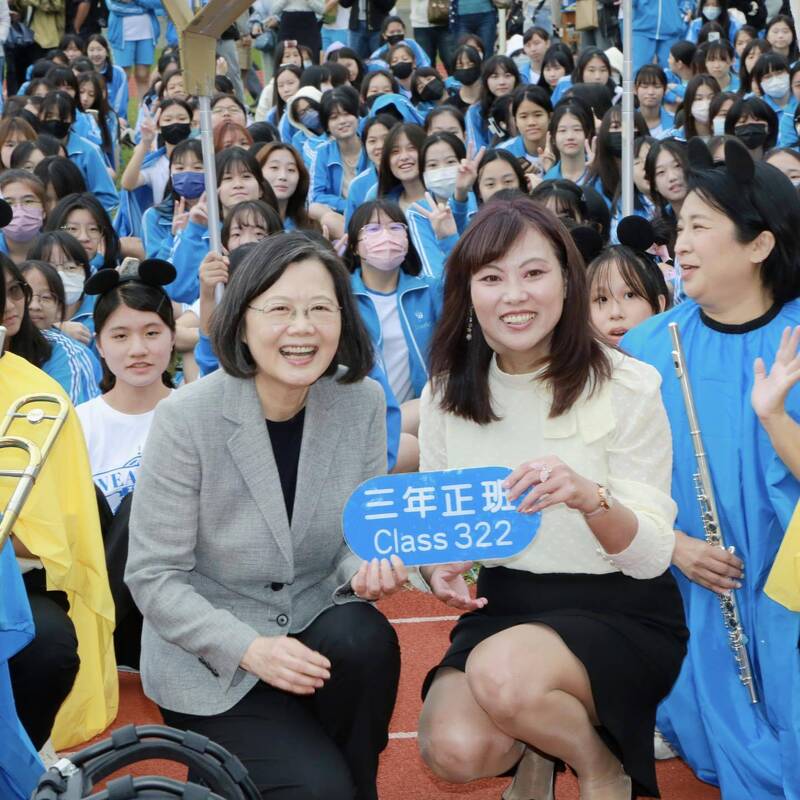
point(776, 87)
point(719, 126)
point(441, 181)
point(700, 110)
point(73, 286)
point(712, 12)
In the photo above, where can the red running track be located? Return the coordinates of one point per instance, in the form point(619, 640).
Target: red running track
point(423, 625)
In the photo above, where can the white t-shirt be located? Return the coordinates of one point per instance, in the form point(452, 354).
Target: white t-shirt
point(395, 349)
point(137, 27)
point(115, 442)
point(156, 176)
point(342, 20)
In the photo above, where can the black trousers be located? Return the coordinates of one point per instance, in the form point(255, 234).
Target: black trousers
point(325, 746)
point(42, 674)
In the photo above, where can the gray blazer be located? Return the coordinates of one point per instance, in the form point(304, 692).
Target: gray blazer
point(213, 561)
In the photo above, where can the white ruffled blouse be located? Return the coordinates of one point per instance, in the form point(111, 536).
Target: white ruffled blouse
point(618, 436)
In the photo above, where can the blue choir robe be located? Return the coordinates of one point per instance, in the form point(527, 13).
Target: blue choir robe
point(20, 766)
point(749, 751)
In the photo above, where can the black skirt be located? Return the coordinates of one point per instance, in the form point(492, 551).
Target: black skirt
point(628, 633)
point(303, 27)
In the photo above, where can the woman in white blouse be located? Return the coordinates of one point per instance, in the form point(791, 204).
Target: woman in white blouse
point(569, 647)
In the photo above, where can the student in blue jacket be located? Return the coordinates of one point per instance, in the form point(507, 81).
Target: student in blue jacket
point(499, 78)
point(185, 186)
point(99, 53)
point(400, 180)
point(771, 75)
point(337, 161)
point(286, 83)
point(133, 31)
point(57, 116)
point(650, 87)
point(393, 31)
point(428, 90)
point(713, 11)
point(68, 362)
point(716, 59)
point(239, 179)
point(373, 135)
point(83, 217)
point(283, 168)
point(657, 25)
point(571, 133)
point(679, 72)
point(302, 111)
point(93, 98)
point(531, 110)
point(398, 306)
point(66, 255)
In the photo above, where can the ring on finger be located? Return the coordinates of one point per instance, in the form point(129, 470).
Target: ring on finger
point(545, 473)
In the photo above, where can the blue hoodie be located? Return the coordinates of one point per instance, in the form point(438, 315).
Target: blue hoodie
point(419, 301)
point(401, 105)
point(157, 235)
point(87, 158)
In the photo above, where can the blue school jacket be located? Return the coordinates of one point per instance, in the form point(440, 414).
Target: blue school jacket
point(359, 189)
point(118, 10)
point(191, 246)
point(658, 19)
point(419, 300)
point(327, 172)
point(88, 159)
point(477, 127)
point(157, 235)
point(693, 34)
point(419, 54)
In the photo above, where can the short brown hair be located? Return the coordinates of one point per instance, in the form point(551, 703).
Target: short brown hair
point(261, 268)
point(460, 368)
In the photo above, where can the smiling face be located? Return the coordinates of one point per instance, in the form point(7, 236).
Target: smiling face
point(518, 300)
point(497, 175)
point(501, 82)
point(716, 270)
point(440, 155)
point(294, 353)
point(97, 54)
point(616, 307)
point(280, 170)
point(404, 159)
point(237, 184)
point(136, 346)
point(342, 124)
point(788, 164)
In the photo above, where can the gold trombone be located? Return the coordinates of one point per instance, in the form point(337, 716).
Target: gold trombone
point(37, 455)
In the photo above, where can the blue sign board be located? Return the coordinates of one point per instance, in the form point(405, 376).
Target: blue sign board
point(437, 517)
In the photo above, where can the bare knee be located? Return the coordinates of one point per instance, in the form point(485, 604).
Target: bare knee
point(454, 753)
point(497, 687)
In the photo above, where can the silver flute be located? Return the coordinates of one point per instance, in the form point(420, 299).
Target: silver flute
point(708, 514)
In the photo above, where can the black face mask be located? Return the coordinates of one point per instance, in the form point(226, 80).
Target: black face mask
point(432, 91)
point(467, 75)
point(751, 135)
point(55, 127)
point(394, 38)
point(615, 143)
point(176, 132)
point(402, 69)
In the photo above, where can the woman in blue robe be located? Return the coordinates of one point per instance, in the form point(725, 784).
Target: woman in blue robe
point(739, 249)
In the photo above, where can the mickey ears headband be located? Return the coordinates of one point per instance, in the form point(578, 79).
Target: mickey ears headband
point(150, 272)
point(739, 163)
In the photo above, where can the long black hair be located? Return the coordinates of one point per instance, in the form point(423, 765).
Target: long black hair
point(29, 342)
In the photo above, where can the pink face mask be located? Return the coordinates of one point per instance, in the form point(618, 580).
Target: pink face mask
point(384, 251)
point(25, 224)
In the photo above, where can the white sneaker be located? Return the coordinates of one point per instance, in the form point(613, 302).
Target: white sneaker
point(663, 748)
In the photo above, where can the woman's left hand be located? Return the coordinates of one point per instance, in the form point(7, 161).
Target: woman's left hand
point(554, 482)
point(376, 579)
point(770, 389)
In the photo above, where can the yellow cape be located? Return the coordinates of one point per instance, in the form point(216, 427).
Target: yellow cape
point(783, 584)
point(59, 523)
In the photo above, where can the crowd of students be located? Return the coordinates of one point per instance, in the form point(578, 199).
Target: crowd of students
point(448, 189)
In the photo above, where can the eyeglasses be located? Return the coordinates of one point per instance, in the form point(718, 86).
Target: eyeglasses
point(318, 314)
point(45, 299)
point(92, 231)
point(25, 202)
point(70, 268)
point(226, 110)
point(375, 228)
point(18, 291)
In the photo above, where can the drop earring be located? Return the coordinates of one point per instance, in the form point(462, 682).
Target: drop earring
point(469, 325)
